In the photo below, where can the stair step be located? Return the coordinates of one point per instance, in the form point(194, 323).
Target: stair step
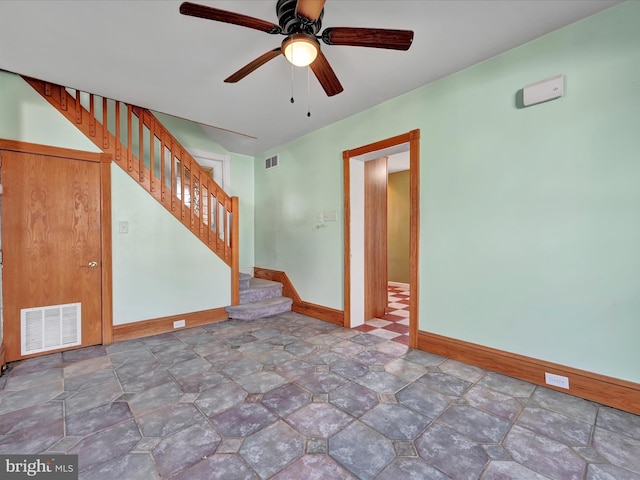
point(263, 308)
point(244, 280)
point(260, 289)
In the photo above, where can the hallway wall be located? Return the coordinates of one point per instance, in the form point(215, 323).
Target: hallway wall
point(398, 227)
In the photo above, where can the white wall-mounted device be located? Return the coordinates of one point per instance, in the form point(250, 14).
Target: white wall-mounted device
point(543, 91)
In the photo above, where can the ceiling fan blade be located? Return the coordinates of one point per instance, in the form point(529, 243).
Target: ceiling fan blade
point(210, 13)
point(310, 9)
point(325, 75)
point(368, 37)
point(250, 67)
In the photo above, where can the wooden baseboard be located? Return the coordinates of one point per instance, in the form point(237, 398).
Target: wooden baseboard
point(288, 290)
point(3, 362)
point(610, 391)
point(155, 326)
point(327, 314)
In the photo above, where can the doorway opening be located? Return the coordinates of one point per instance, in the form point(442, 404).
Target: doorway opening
point(365, 272)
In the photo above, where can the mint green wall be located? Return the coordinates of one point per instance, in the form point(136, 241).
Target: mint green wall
point(159, 268)
point(529, 226)
point(189, 134)
point(288, 199)
point(192, 136)
point(157, 259)
point(242, 186)
point(25, 116)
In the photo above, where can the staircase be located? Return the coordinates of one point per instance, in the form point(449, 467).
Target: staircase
point(154, 158)
point(259, 298)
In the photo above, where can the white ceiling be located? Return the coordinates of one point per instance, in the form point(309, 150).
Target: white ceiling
point(146, 53)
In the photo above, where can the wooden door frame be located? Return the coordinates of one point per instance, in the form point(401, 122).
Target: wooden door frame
point(413, 139)
point(104, 160)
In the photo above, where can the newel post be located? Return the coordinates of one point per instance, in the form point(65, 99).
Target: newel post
point(235, 252)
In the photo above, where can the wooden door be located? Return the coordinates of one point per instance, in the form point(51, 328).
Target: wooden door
point(51, 235)
point(375, 238)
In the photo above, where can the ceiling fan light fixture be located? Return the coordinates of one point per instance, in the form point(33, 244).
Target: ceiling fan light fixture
point(301, 49)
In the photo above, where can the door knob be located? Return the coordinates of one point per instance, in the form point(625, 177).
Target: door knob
point(92, 264)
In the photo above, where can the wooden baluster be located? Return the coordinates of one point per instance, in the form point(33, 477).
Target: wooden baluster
point(189, 186)
point(185, 185)
point(129, 140)
point(92, 116)
point(78, 108)
point(47, 89)
point(213, 223)
point(204, 208)
point(173, 177)
point(219, 224)
point(200, 203)
point(180, 178)
point(224, 218)
point(118, 139)
point(214, 218)
point(182, 188)
point(152, 144)
point(63, 99)
point(141, 148)
point(105, 124)
point(210, 205)
point(195, 195)
point(163, 166)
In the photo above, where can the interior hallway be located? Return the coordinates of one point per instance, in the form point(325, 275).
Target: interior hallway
point(291, 397)
point(394, 325)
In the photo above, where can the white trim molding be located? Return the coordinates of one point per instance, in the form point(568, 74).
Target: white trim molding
point(217, 161)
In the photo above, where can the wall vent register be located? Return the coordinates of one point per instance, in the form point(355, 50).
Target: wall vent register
point(50, 328)
point(271, 162)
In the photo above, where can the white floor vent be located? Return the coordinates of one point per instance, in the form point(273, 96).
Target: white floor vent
point(50, 328)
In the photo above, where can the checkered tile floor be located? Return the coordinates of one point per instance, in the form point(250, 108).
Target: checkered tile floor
point(395, 324)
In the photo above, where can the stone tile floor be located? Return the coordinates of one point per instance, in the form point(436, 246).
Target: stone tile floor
point(291, 397)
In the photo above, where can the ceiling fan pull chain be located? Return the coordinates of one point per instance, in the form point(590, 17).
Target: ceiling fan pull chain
point(292, 100)
point(308, 91)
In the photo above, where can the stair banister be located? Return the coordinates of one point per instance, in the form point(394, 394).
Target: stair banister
point(189, 194)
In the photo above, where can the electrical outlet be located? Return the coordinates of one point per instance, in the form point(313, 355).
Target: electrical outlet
point(556, 380)
point(179, 324)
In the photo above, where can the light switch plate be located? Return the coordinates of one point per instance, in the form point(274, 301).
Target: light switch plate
point(330, 216)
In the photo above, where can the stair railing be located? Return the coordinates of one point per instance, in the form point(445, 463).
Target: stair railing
point(148, 152)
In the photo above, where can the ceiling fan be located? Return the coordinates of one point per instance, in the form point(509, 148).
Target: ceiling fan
point(300, 21)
